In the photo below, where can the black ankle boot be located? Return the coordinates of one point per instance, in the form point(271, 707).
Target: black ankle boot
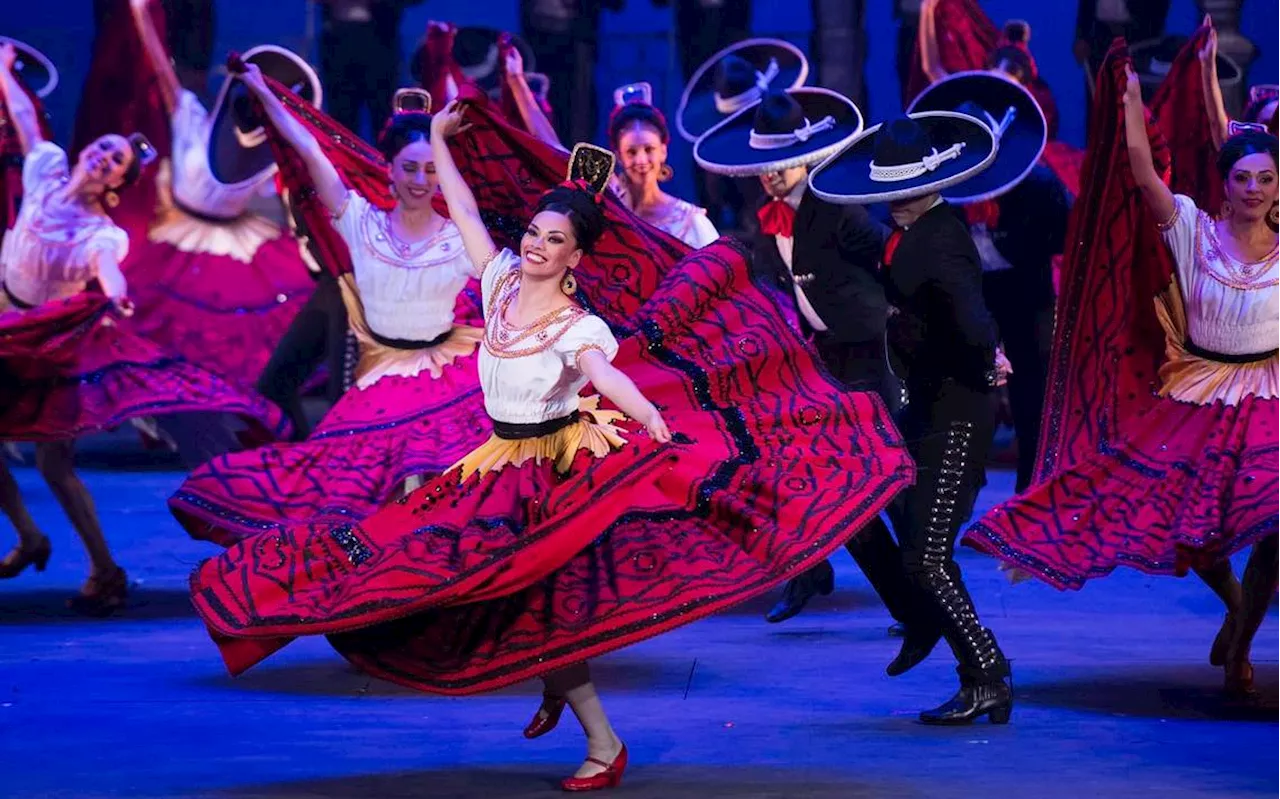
point(993, 699)
point(821, 579)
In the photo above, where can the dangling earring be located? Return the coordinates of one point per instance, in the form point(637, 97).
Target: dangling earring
point(666, 173)
point(1273, 216)
point(1225, 213)
point(568, 284)
point(111, 198)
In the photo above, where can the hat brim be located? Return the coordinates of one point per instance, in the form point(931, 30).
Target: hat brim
point(488, 74)
point(697, 111)
point(34, 68)
point(1019, 147)
point(726, 149)
point(845, 178)
point(237, 156)
point(1149, 54)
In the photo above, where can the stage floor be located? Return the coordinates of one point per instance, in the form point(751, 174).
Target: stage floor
point(1115, 697)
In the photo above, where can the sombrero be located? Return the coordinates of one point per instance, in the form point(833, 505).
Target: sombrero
point(782, 130)
point(735, 78)
point(906, 158)
point(238, 149)
point(1012, 115)
point(1153, 58)
point(34, 67)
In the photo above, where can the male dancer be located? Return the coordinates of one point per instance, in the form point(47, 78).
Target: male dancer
point(945, 340)
point(824, 258)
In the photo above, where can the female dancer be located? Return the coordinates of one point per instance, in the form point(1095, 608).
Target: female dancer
point(493, 573)
point(638, 136)
point(65, 366)
point(1181, 479)
point(415, 406)
point(216, 282)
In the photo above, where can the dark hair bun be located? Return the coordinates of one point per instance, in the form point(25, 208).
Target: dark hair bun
point(402, 130)
point(1242, 144)
point(1017, 31)
point(629, 114)
point(583, 209)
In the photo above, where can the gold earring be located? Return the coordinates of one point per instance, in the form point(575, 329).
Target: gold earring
point(568, 284)
point(1225, 213)
point(1273, 216)
point(666, 173)
point(111, 198)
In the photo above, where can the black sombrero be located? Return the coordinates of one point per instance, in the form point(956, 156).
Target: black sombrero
point(735, 78)
point(1153, 58)
point(478, 53)
point(1012, 115)
point(238, 149)
point(33, 67)
point(783, 129)
point(906, 158)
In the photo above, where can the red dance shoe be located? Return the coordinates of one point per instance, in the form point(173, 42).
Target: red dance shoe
point(547, 717)
point(611, 777)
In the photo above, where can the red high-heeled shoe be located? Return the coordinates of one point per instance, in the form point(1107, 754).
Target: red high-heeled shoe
point(547, 717)
point(102, 595)
point(611, 777)
point(18, 559)
point(1239, 680)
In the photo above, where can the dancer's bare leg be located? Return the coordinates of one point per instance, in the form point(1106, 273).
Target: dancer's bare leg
point(11, 504)
point(1259, 587)
point(1221, 579)
point(55, 460)
point(574, 684)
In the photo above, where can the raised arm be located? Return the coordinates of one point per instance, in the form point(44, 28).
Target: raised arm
point(927, 37)
point(530, 111)
point(157, 53)
point(22, 112)
point(329, 187)
point(463, 209)
point(1219, 122)
point(1157, 195)
point(614, 384)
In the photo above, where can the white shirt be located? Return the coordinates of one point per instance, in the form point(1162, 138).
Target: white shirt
point(50, 255)
point(1115, 12)
point(409, 296)
point(786, 246)
point(194, 186)
point(544, 383)
point(992, 260)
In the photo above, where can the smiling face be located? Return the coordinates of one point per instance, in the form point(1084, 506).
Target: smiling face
point(642, 153)
point(106, 161)
point(549, 246)
point(413, 175)
point(1251, 186)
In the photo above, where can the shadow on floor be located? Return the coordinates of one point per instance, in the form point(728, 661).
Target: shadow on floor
point(1182, 691)
point(841, 601)
point(49, 606)
point(526, 782)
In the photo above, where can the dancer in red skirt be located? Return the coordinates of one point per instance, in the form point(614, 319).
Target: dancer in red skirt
point(574, 531)
point(66, 367)
point(218, 279)
point(1160, 447)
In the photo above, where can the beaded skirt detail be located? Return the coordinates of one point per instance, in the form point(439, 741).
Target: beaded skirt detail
point(527, 565)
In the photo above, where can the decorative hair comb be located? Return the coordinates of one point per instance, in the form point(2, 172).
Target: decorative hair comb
point(142, 149)
point(411, 101)
point(1263, 94)
point(640, 92)
point(590, 165)
point(1234, 127)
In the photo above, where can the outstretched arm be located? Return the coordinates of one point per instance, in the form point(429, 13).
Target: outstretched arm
point(329, 186)
point(22, 112)
point(1157, 195)
point(530, 111)
point(463, 209)
point(927, 37)
point(618, 388)
point(157, 54)
point(1219, 122)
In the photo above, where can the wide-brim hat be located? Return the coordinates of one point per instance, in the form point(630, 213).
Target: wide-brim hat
point(33, 67)
point(238, 149)
point(964, 147)
point(478, 53)
point(1153, 58)
point(778, 64)
point(743, 146)
point(1009, 111)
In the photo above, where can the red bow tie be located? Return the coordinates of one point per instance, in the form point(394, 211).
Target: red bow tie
point(890, 247)
point(777, 219)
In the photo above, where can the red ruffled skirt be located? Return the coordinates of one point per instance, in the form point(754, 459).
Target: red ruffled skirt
point(466, 586)
point(1193, 485)
point(213, 309)
point(68, 369)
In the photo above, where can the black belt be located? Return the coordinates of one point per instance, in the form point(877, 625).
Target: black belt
point(1222, 357)
point(13, 300)
point(203, 217)
point(407, 344)
point(509, 431)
